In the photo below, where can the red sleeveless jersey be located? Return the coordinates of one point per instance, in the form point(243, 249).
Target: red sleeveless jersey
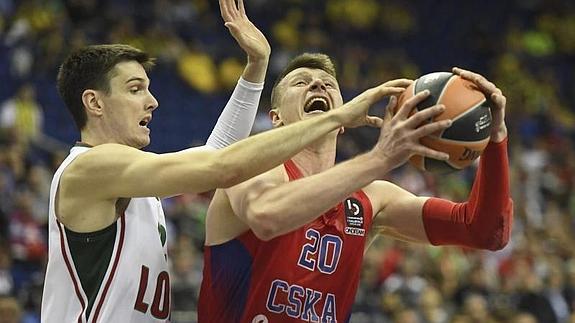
point(308, 275)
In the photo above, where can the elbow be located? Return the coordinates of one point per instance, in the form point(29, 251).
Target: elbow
point(498, 244)
point(263, 223)
point(499, 241)
point(501, 233)
point(261, 212)
point(505, 228)
point(492, 241)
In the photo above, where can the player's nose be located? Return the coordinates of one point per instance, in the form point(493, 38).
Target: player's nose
point(152, 102)
point(317, 85)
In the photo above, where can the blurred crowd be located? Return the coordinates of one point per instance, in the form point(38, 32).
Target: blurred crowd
point(526, 47)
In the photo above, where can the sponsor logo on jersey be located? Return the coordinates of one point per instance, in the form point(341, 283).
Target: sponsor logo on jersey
point(353, 217)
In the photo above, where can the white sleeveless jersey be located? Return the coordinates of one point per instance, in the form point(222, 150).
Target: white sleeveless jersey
point(119, 274)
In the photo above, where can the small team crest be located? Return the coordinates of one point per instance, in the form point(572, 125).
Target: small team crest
point(353, 217)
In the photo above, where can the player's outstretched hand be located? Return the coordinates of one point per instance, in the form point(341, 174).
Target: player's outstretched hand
point(400, 134)
point(491, 91)
point(355, 112)
point(248, 36)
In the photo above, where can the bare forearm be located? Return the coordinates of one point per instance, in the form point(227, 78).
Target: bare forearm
point(286, 207)
point(262, 152)
point(255, 70)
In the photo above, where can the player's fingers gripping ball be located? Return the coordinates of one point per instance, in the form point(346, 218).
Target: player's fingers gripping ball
point(469, 110)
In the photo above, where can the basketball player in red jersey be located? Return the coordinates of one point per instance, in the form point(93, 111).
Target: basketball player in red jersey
point(287, 245)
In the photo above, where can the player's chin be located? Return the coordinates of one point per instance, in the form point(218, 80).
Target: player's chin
point(141, 142)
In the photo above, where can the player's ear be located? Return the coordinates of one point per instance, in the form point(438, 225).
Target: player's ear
point(341, 131)
point(91, 102)
point(276, 118)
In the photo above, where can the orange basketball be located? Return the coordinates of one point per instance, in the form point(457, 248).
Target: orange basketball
point(469, 133)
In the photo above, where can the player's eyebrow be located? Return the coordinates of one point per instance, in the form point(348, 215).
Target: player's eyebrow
point(330, 77)
point(300, 74)
point(325, 75)
point(135, 78)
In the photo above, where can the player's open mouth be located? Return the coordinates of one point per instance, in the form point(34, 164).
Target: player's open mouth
point(145, 122)
point(316, 104)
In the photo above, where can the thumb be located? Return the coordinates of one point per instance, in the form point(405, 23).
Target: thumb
point(375, 122)
point(233, 28)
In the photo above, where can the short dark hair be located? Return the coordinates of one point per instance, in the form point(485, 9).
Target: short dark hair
point(309, 60)
point(91, 68)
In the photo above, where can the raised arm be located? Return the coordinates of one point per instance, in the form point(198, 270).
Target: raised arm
point(484, 221)
point(237, 118)
point(128, 172)
point(250, 39)
point(272, 208)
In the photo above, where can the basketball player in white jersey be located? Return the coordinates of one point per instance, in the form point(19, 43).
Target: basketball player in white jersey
point(107, 240)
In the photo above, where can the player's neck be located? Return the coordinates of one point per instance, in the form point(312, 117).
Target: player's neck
point(316, 158)
point(95, 136)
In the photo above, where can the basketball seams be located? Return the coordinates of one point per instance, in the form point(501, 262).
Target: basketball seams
point(445, 87)
point(461, 115)
point(476, 142)
point(458, 97)
point(466, 112)
point(459, 152)
point(443, 90)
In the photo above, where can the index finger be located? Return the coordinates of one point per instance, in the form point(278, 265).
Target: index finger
point(483, 84)
point(411, 103)
point(399, 83)
point(379, 92)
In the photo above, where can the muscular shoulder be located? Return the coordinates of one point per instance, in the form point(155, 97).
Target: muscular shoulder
point(106, 155)
point(79, 203)
point(382, 187)
point(224, 221)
